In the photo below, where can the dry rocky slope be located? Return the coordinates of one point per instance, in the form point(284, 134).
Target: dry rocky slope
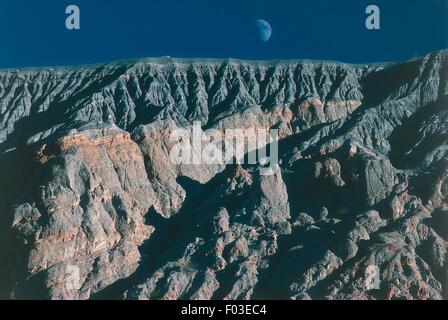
point(86, 181)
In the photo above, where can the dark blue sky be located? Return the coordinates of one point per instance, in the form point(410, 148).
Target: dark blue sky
point(32, 33)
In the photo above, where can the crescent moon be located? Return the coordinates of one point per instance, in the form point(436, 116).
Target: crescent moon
point(264, 29)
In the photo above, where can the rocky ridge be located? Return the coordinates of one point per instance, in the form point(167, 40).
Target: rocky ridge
point(86, 181)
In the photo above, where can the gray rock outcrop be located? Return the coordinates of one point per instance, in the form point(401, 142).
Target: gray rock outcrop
point(91, 205)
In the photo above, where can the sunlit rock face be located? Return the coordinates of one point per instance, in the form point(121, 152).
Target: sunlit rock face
point(91, 205)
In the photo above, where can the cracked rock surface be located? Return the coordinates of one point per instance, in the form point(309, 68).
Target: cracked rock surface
point(92, 207)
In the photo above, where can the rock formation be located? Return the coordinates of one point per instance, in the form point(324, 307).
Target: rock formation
point(92, 207)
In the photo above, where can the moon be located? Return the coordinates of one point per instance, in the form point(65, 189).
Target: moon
point(264, 29)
